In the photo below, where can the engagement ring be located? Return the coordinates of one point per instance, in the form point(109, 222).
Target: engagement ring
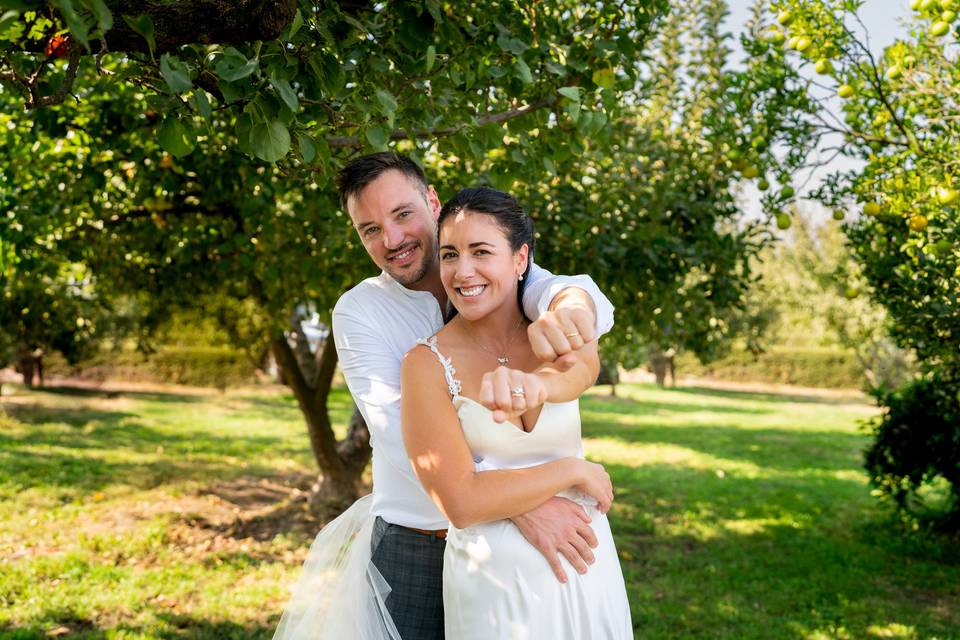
point(518, 392)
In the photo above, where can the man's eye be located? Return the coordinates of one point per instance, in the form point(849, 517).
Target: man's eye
point(369, 231)
point(404, 214)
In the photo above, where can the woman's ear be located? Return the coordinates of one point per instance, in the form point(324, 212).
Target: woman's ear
point(521, 259)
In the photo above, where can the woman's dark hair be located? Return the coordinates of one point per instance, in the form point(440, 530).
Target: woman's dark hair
point(509, 215)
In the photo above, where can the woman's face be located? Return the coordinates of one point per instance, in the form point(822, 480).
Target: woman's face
point(478, 268)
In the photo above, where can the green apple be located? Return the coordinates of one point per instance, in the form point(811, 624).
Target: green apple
point(895, 72)
point(783, 221)
point(792, 42)
point(823, 66)
point(946, 195)
point(871, 209)
point(785, 18)
point(787, 192)
point(845, 91)
point(762, 184)
point(948, 16)
point(851, 292)
point(939, 28)
point(803, 43)
point(838, 214)
point(777, 37)
point(750, 172)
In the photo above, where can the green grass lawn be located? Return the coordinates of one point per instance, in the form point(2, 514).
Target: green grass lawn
point(183, 515)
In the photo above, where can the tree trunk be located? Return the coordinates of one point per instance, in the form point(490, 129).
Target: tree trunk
point(609, 374)
point(341, 463)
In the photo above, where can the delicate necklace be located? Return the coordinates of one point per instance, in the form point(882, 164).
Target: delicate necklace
point(503, 360)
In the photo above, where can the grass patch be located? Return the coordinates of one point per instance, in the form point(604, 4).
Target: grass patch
point(181, 515)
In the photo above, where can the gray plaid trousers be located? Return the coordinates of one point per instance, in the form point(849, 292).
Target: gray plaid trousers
point(412, 564)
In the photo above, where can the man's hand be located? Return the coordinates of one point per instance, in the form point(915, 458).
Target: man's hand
point(560, 526)
point(569, 323)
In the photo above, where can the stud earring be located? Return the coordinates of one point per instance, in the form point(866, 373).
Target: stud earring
point(520, 278)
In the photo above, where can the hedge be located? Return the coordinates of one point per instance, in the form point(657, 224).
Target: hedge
point(827, 368)
point(198, 366)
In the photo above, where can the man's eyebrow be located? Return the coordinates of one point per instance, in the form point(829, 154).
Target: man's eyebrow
point(402, 206)
point(364, 225)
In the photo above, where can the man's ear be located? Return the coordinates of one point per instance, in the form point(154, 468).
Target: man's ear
point(433, 200)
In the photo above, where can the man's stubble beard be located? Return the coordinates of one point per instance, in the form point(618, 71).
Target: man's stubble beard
point(430, 259)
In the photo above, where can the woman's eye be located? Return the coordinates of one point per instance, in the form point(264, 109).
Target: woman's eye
point(481, 252)
point(448, 255)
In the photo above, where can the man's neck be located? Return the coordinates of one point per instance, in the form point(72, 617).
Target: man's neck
point(432, 283)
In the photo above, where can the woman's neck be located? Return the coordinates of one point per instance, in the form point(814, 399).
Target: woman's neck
point(497, 330)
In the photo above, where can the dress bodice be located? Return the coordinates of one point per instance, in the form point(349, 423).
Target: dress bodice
point(503, 445)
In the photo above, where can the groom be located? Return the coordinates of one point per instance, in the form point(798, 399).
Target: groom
point(394, 211)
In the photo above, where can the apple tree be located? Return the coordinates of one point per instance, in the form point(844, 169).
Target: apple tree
point(898, 122)
point(183, 149)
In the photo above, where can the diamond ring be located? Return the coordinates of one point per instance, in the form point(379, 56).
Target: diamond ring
point(517, 392)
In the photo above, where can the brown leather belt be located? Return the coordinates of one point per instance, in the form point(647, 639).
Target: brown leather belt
point(439, 533)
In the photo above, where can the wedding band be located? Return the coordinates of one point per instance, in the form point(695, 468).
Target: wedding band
point(518, 392)
point(570, 335)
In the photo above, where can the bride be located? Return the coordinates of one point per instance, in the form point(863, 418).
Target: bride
point(495, 583)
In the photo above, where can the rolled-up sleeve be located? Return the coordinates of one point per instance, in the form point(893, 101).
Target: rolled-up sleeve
point(542, 287)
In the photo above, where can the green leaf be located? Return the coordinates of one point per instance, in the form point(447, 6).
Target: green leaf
point(286, 92)
point(176, 138)
point(556, 68)
point(512, 45)
point(307, 149)
point(10, 26)
point(244, 127)
point(573, 108)
point(523, 71)
point(234, 66)
point(100, 11)
point(175, 73)
point(270, 141)
point(378, 136)
point(431, 57)
point(295, 25)
point(388, 104)
point(572, 93)
point(76, 24)
point(604, 78)
point(201, 103)
point(143, 26)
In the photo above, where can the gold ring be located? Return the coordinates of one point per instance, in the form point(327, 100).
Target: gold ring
point(570, 335)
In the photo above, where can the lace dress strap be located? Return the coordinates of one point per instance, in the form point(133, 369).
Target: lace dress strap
point(453, 385)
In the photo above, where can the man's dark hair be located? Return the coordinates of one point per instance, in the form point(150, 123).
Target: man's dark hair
point(361, 171)
point(517, 226)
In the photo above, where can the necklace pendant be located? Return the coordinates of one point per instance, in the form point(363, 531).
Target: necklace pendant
point(503, 360)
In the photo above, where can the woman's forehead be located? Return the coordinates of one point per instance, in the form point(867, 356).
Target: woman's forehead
point(473, 223)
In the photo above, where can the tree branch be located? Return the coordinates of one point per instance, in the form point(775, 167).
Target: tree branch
point(428, 134)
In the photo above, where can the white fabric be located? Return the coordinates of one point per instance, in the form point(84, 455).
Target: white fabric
point(340, 594)
point(496, 585)
point(374, 325)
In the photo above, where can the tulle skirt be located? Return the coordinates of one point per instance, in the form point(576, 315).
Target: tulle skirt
point(340, 594)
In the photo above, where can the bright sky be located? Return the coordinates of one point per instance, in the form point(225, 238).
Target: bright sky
point(884, 20)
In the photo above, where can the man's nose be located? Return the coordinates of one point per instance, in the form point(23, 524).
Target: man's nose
point(392, 237)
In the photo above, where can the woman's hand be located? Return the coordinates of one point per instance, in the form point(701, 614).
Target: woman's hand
point(510, 392)
point(595, 482)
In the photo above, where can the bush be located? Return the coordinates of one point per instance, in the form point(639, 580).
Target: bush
point(828, 368)
point(914, 460)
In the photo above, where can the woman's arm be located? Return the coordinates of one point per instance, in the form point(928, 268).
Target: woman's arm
point(444, 464)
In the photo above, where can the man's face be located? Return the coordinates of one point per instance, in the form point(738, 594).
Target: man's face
point(397, 222)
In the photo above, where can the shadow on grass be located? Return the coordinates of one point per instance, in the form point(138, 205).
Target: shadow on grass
point(103, 448)
point(106, 392)
point(629, 406)
point(759, 396)
point(734, 557)
point(66, 624)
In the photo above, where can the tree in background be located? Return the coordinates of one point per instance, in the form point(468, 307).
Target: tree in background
point(185, 170)
point(899, 123)
point(810, 285)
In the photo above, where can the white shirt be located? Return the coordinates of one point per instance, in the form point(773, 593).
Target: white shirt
point(374, 325)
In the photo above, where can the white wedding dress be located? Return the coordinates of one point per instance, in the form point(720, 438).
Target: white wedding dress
point(496, 585)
